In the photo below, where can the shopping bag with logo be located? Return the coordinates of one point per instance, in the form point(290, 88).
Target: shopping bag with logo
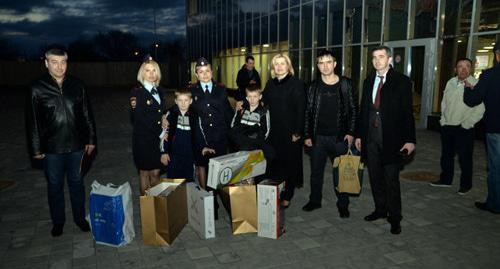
point(271, 216)
point(348, 173)
point(234, 167)
point(201, 210)
point(111, 214)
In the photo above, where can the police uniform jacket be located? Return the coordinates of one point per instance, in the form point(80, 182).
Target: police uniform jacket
point(214, 111)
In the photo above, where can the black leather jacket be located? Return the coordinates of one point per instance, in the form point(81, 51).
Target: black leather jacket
point(347, 109)
point(58, 120)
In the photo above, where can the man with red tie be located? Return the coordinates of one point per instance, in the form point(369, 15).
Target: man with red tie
point(385, 134)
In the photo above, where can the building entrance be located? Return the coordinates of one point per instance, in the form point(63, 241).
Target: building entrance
point(417, 59)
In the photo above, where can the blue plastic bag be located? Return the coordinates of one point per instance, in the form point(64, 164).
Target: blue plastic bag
point(111, 214)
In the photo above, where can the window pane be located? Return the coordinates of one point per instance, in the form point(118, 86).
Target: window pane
point(336, 21)
point(490, 15)
point(337, 52)
point(256, 31)
point(306, 30)
point(466, 9)
point(374, 20)
point(397, 19)
point(248, 31)
point(294, 2)
point(274, 28)
point(353, 19)
point(273, 5)
point(242, 34)
point(320, 11)
point(294, 57)
point(368, 65)
point(425, 18)
point(283, 25)
point(482, 52)
point(352, 64)
point(305, 66)
point(294, 28)
point(264, 30)
point(283, 4)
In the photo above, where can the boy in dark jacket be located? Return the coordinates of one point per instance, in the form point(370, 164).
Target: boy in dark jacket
point(250, 125)
point(183, 142)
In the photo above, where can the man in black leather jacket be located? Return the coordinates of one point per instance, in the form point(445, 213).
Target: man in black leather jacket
point(61, 129)
point(329, 126)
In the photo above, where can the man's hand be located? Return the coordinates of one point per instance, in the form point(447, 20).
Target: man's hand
point(239, 105)
point(468, 85)
point(164, 122)
point(349, 139)
point(39, 156)
point(295, 138)
point(410, 147)
point(89, 148)
point(308, 142)
point(165, 159)
point(357, 143)
point(206, 151)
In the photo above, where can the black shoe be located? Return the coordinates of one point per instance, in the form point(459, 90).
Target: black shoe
point(484, 207)
point(395, 228)
point(57, 230)
point(310, 206)
point(84, 226)
point(344, 212)
point(463, 191)
point(375, 216)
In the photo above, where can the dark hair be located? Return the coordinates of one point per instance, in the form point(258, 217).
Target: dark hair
point(324, 53)
point(387, 50)
point(463, 59)
point(253, 88)
point(183, 91)
point(249, 57)
point(55, 51)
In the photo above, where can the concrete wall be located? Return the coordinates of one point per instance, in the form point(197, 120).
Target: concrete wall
point(14, 73)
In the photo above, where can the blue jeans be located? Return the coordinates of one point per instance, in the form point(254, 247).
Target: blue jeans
point(493, 200)
point(56, 168)
point(324, 147)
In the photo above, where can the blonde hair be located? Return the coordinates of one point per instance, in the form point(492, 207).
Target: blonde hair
point(183, 91)
point(287, 60)
point(142, 70)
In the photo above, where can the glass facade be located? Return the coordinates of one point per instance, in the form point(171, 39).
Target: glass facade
point(225, 31)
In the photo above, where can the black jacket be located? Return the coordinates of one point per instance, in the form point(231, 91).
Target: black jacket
point(396, 112)
point(146, 116)
point(254, 125)
point(243, 80)
point(347, 109)
point(214, 111)
point(197, 136)
point(58, 120)
point(487, 90)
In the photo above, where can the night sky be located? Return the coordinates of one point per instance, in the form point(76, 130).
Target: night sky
point(30, 24)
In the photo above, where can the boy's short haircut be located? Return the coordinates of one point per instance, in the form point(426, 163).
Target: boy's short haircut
point(183, 91)
point(253, 88)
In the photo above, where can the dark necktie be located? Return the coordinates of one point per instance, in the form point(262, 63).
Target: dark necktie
point(206, 89)
point(154, 91)
point(377, 96)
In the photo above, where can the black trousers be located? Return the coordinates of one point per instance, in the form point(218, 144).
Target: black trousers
point(456, 140)
point(384, 182)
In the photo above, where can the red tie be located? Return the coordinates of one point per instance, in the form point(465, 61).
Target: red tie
point(377, 96)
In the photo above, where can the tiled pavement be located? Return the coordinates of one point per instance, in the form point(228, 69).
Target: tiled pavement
point(441, 229)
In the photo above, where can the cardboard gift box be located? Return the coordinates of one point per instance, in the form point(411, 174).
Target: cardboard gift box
point(232, 168)
point(241, 204)
point(164, 212)
point(270, 214)
point(201, 210)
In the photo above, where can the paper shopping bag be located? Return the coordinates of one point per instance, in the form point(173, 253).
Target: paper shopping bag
point(201, 210)
point(271, 215)
point(241, 204)
point(348, 173)
point(163, 212)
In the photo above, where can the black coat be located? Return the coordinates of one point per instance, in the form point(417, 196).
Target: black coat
point(286, 102)
point(487, 90)
point(243, 80)
point(58, 120)
point(347, 109)
point(396, 112)
point(146, 122)
point(214, 111)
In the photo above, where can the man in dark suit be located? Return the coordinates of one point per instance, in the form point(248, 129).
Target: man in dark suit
point(487, 90)
point(385, 133)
